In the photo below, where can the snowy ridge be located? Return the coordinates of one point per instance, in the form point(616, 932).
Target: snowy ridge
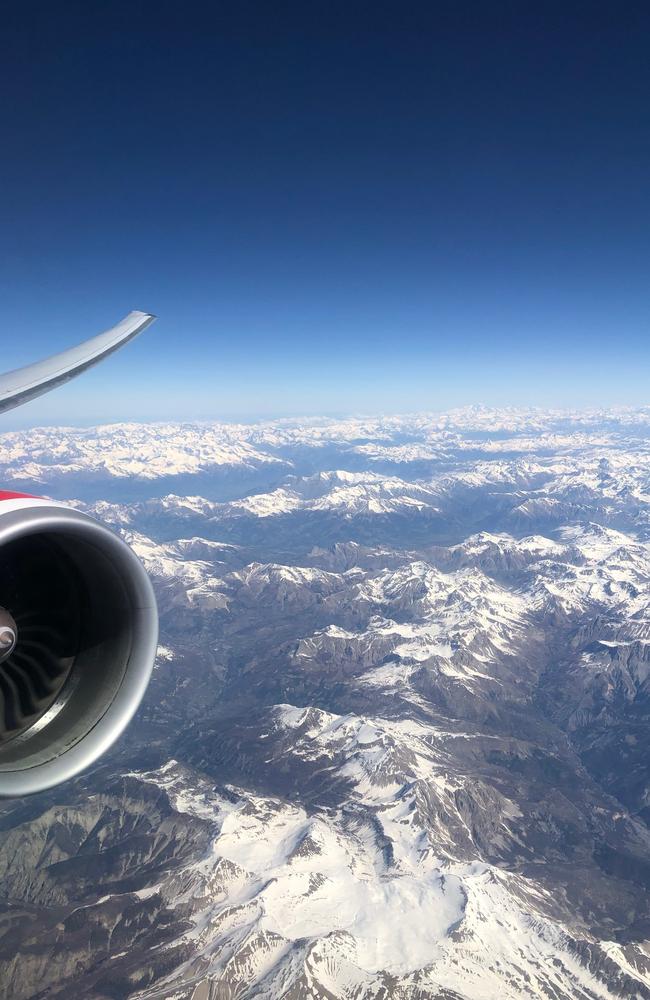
point(283, 897)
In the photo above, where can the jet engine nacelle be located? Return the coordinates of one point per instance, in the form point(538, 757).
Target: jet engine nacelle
point(78, 634)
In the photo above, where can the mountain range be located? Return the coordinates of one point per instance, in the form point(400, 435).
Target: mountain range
point(396, 743)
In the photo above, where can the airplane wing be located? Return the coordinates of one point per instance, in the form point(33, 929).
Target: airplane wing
point(23, 384)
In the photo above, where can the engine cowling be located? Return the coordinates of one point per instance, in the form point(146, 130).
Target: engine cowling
point(78, 636)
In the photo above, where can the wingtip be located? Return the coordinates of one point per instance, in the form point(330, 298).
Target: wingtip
point(23, 384)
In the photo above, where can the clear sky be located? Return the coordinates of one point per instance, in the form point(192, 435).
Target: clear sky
point(332, 207)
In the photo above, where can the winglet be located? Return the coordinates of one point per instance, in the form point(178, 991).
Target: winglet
point(19, 386)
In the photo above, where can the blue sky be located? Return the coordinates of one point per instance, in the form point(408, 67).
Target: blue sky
point(331, 207)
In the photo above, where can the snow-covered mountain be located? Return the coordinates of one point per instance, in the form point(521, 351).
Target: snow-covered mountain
point(397, 740)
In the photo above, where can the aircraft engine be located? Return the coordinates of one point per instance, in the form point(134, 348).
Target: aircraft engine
point(78, 635)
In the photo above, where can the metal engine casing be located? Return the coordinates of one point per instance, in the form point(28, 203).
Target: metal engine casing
point(85, 652)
